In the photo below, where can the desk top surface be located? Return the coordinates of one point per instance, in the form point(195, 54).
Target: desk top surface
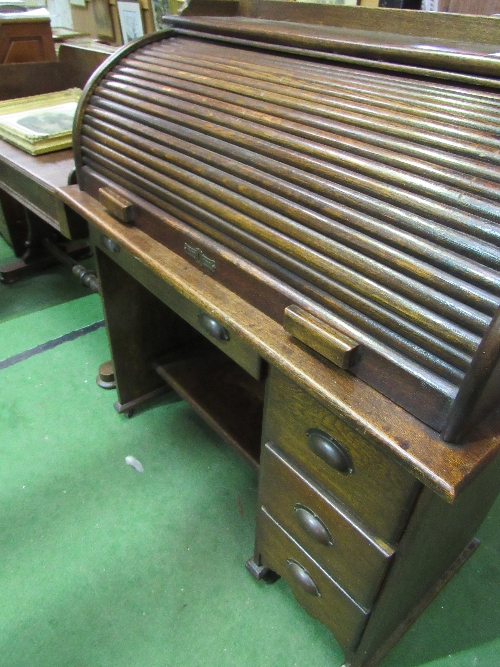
point(50, 170)
point(445, 468)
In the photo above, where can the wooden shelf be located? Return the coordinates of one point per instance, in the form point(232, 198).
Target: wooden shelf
point(223, 394)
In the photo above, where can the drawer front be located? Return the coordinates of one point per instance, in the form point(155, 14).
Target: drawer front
point(225, 339)
point(318, 593)
point(36, 197)
point(372, 486)
point(215, 331)
point(354, 559)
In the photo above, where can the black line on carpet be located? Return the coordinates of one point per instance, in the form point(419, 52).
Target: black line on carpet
point(51, 344)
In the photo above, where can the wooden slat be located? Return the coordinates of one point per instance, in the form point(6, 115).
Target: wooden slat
point(374, 196)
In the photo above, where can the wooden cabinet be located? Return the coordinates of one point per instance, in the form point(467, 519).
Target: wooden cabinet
point(340, 521)
point(24, 40)
point(363, 510)
point(376, 489)
point(354, 557)
point(319, 594)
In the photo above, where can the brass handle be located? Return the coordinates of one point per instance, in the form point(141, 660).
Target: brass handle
point(330, 450)
point(213, 328)
point(312, 525)
point(303, 578)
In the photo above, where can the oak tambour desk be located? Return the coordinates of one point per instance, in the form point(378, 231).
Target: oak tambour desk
point(296, 229)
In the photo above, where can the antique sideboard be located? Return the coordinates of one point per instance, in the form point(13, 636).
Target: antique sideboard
point(296, 228)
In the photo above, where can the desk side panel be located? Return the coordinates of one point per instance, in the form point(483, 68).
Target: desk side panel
point(436, 538)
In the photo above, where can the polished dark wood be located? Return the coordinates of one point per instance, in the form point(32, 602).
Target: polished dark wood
point(24, 79)
point(331, 344)
point(226, 397)
point(482, 30)
point(390, 429)
point(355, 558)
point(296, 229)
point(400, 515)
point(380, 493)
point(436, 536)
point(321, 188)
point(13, 223)
point(317, 592)
point(32, 181)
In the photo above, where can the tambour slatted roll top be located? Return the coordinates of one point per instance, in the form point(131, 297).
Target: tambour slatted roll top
point(350, 202)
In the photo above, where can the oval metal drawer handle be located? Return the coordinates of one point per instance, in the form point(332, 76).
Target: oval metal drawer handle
point(109, 244)
point(303, 578)
point(213, 328)
point(312, 525)
point(330, 450)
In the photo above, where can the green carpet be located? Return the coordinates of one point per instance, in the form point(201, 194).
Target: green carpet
point(28, 331)
point(102, 566)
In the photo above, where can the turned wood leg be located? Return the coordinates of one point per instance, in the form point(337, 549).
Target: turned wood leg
point(29, 245)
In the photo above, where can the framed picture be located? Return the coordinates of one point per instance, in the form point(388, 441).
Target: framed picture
point(102, 18)
point(60, 13)
point(41, 123)
point(160, 8)
point(130, 20)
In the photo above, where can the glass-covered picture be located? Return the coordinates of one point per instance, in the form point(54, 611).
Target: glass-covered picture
point(130, 20)
point(40, 124)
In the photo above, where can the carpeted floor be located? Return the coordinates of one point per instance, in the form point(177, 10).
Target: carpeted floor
point(102, 566)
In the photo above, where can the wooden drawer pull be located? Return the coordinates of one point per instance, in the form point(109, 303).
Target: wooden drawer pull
point(312, 525)
point(303, 578)
point(328, 449)
point(320, 337)
point(213, 328)
point(117, 205)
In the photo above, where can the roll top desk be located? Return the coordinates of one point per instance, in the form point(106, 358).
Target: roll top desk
point(296, 228)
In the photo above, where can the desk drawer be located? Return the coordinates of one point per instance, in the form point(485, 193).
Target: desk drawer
point(372, 486)
point(318, 593)
point(214, 330)
point(220, 335)
point(356, 560)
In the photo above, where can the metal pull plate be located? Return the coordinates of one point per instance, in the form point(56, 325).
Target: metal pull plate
point(312, 525)
point(213, 328)
point(109, 244)
point(303, 578)
point(330, 450)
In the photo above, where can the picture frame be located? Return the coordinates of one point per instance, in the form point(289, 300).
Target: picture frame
point(159, 9)
point(103, 20)
point(40, 123)
point(60, 13)
point(130, 17)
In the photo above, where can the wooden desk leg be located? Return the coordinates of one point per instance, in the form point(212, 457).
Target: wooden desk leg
point(261, 572)
point(13, 224)
point(141, 330)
